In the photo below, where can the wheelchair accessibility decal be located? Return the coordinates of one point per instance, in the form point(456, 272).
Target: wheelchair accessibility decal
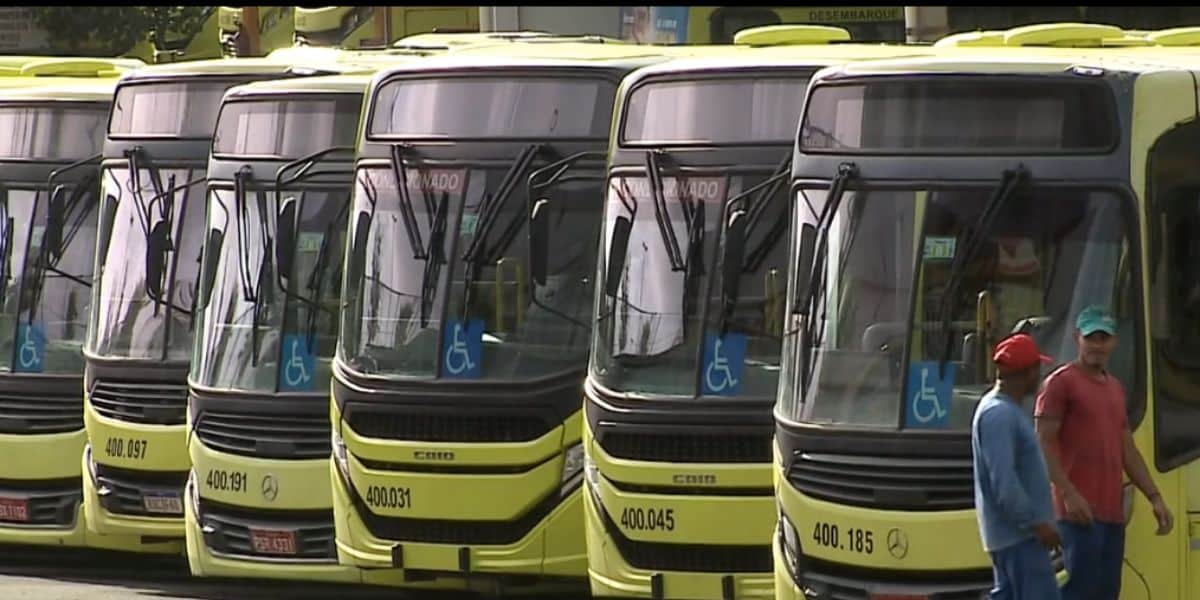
point(927, 403)
point(31, 347)
point(724, 358)
point(462, 349)
point(296, 372)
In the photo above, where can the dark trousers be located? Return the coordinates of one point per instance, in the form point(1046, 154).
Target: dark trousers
point(1023, 572)
point(1094, 555)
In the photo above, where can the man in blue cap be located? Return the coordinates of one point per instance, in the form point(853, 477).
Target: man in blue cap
point(1084, 432)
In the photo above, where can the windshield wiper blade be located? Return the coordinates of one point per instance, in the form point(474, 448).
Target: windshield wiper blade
point(407, 214)
point(251, 281)
point(435, 258)
point(477, 253)
point(661, 214)
point(57, 216)
point(817, 279)
point(1010, 181)
point(690, 259)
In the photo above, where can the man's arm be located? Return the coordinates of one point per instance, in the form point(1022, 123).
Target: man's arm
point(997, 434)
point(1139, 474)
point(1047, 430)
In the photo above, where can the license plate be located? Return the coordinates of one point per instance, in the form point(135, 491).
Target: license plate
point(14, 509)
point(266, 541)
point(165, 504)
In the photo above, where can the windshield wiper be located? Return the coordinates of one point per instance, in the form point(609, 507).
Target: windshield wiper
point(764, 192)
point(251, 281)
point(407, 214)
point(478, 253)
point(847, 172)
point(64, 219)
point(6, 239)
point(1010, 181)
point(691, 259)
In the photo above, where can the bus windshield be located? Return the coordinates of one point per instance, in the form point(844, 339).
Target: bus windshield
point(47, 241)
point(152, 214)
point(878, 360)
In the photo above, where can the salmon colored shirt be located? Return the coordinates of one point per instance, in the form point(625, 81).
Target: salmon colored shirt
point(1090, 437)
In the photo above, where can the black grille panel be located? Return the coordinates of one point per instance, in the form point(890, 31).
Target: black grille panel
point(837, 582)
point(36, 413)
point(295, 437)
point(230, 530)
point(692, 558)
point(128, 488)
point(704, 447)
point(446, 428)
point(48, 504)
point(152, 403)
point(908, 483)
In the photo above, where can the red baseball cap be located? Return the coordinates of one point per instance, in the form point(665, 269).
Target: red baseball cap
point(1018, 352)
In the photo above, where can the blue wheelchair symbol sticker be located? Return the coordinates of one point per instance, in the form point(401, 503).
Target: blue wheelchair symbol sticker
point(31, 347)
point(928, 401)
point(462, 349)
point(296, 372)
point(724, 357)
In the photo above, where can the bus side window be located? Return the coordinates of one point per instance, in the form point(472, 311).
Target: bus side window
point(1175, 295)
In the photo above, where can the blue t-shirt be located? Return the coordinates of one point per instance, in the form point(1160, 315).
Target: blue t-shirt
point(1012, 485)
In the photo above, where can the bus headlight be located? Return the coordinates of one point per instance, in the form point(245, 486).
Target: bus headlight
point(572, 462)
point(590, 472)
point(340, 456)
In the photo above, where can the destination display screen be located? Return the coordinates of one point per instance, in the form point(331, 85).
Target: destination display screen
point(716, 111)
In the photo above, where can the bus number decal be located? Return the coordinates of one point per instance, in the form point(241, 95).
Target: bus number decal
point(126, 448)
point(854, 540)
point(389, 497)
point(227, 481)
point(650, 519)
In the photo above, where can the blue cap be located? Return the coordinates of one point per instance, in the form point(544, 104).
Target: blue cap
point(1093, 319)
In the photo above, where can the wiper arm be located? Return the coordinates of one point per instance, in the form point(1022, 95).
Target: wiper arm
point(477, 253)
point(817, 277)
point(407, 214)
point(251, 281)
point(691, 259)
point(6, 240)
point(435, 257)
point(1010, 181)
point(54, 243)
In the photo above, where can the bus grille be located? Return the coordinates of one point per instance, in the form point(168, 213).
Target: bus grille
point(33, 413)
point(48, 503)
point(294, 437)
point(847, 583)
point(129, 489)
point(702, 447)
point(446, 428)
point(886, 482)
point(230, 530)
point(149, 403)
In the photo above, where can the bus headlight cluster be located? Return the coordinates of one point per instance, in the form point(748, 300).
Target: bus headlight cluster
point(340, 456)
point(572, 462)
point(790, 539)
point(590, 472)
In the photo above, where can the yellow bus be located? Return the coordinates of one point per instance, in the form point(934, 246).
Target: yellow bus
point(148, 246)
point(941, 204)
point(52, 113)
point(456, 447)
point(689, 316)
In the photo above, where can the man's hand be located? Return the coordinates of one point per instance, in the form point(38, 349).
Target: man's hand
point(1166, 521)
point(1047, 534)
point(1078, 509)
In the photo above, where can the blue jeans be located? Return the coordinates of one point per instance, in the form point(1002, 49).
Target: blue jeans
point(1094, 555)
point(1024, 572)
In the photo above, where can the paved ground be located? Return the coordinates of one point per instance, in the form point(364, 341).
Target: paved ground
point(39, 574)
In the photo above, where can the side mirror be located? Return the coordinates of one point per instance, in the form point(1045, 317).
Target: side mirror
point(210, 260)
point(622, 227)
point(285, 242)
point(734, 255)
point(157, 246)
point(804, 268)
point(357, 259)
point(539, 241)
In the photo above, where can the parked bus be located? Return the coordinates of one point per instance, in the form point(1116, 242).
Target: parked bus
point(689, 317)
point(456, 448)
point(52, 115)
point(148, 248)
point(941, 204)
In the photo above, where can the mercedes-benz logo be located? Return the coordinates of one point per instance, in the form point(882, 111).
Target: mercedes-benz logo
point(897, 543)
point(270, 488)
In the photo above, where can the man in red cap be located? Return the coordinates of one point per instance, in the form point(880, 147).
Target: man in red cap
point(1012, 487)
point(1082, 422)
